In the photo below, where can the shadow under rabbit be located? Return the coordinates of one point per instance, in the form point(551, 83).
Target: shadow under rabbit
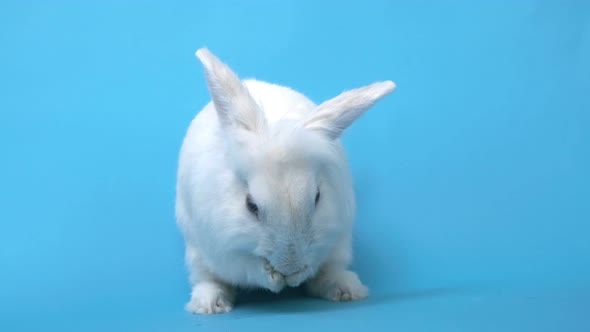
point(296, 301)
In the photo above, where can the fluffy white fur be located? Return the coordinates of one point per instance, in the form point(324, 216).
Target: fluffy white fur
point(278, 147)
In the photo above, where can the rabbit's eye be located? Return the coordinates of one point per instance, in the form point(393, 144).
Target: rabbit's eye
point(317, 197)
point(252, 207)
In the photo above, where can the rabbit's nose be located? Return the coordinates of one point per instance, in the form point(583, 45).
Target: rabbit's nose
point(288, 260)
point(290, 266)
point(291, 270)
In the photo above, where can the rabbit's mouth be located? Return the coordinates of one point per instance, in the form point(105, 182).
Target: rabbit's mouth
point(298, 271)
point(294, 275)
point(295, 279)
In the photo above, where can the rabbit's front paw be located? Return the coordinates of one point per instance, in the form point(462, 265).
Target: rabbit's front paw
point(275, 280)
point(210, 298)
point(338, 286)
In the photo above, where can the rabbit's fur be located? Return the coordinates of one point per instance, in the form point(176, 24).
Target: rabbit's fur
point(264, 191)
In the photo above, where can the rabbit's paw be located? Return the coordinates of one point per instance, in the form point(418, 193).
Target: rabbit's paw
point(210, 298)
point(338, 286)
point(275, 280)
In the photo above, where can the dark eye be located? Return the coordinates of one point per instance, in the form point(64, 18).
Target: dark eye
point(252, 207)
point(317, 197)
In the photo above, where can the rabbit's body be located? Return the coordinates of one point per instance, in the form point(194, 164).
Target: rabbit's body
point(205, 179)
point(251, 169)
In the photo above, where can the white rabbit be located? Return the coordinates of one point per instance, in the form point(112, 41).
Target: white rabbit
point(264, 191)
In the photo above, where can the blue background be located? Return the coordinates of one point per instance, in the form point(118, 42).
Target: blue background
point(472, 178)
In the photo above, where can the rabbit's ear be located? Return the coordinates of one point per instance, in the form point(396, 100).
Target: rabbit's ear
point(332, 117)
point(234, 104)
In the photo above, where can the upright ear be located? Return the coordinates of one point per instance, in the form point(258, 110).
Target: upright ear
point(332, 117)
point(234, 104)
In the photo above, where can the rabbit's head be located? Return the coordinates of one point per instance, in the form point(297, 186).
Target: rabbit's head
point(296, 192)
